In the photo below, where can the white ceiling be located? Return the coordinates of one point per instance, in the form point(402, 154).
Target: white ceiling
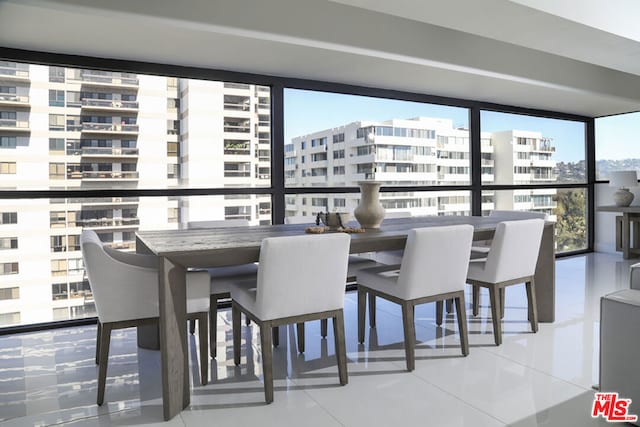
point(531, 53)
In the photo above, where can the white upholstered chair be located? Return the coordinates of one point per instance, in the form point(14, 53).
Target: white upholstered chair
point(433, 268)
point(634, 276)
point(356, 263)
point(300, 278)
point(511, 259)
point(219, 284)
point(125, 289)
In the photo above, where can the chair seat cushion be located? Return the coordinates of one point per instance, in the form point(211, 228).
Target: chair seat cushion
point(244, 291)
point(476, 269)
point(383, 278)
point(221, 277)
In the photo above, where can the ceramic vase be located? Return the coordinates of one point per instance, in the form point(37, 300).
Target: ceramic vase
point(369, 212)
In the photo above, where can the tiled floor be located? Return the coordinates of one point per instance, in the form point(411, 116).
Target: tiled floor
point(49, 378)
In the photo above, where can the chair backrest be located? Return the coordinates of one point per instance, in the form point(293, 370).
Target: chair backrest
point(302, 274)
point(219, 223)
point(513, 215)
point(514, 250)
point(435, 261)
point(300, 219)
point(122, 290)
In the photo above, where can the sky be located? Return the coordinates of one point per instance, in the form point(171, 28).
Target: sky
point(309, 111)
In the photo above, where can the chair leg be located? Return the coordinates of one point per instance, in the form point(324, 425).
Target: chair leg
point(235, 321)
point(476, 299)
point(341, 349)
point(324, 326)
point(372, 310)
point(438, 313)
point(203, 338)
point(533, 307)
point(409, 335)
point(275, 334)
point(462, 324)
point(213, 325)
point(502, 298)
point(105, 340)
point(362, 297)
point(267, 355)
point(449, 305)
point(495, 315)
point(300, 327)
point(99, 329)
point(192, 326)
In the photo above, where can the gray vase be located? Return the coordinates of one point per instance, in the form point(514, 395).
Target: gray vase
point(369, 212)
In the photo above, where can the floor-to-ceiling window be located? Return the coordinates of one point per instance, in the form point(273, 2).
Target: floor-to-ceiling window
point(121, 151)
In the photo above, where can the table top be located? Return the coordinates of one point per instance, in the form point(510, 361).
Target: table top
point(614, 208)
point(216, 247)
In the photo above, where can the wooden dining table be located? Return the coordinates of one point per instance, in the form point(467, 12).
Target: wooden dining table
point(179, 250)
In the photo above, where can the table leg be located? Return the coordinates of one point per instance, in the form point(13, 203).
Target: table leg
point(173, 338)
point(626, 234)
point(545, 276)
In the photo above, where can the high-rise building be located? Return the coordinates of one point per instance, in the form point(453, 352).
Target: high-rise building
point(75, 129)
point(418, 151)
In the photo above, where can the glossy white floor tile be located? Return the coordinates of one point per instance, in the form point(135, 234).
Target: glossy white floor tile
point(49, 378)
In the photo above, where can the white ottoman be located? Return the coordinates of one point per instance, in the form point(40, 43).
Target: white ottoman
point(620, 346)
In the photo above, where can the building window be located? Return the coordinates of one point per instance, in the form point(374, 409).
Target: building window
point(56, 122)
point(319, 202)
point(56, 144)
point(9, 218)
point(339, 137)
point(8, 243)
point(9, 293)
point(7, 319)
point(8, 168)
point(173, 215)
point(59, 291)
point(56, 98)
point(7, 268)
point(57, 171)
point(318, 157)
point(338, 170)
point(56, 74)
point(58, 243)
point(173, 127)
point(173, 170)
point(172, 149)
point(59, 267)
point(339, 202)
point(8, 142)
point(338, 154)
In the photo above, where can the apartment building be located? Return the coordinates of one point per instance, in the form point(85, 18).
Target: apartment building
point(418, 151)
point(78, 129)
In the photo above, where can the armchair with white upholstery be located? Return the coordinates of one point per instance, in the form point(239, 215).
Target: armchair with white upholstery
point(511, 260)
point(433, 268)
point(125, 290)
point(300, 278)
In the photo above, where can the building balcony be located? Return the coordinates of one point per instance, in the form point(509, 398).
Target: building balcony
point(95, 152)
point(14, 74)
point(103, 223)
point(544, 177)
point(230, 106)
point(104, 175)
point(109, 105)
point(100, 78)
point(12, 125)
point(109, 128)
point(13, 100)
point(106, 201)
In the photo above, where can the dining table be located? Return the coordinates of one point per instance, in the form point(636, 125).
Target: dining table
point(179, 250)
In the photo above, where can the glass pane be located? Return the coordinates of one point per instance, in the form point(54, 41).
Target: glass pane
point(566, 206)
point(121, 130)
point(303, 208)
point(337, 140)
point(617, 145)
point(518, 149)
point(42, 270)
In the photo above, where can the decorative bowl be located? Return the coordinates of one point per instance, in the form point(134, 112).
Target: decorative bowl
point(335, 219)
